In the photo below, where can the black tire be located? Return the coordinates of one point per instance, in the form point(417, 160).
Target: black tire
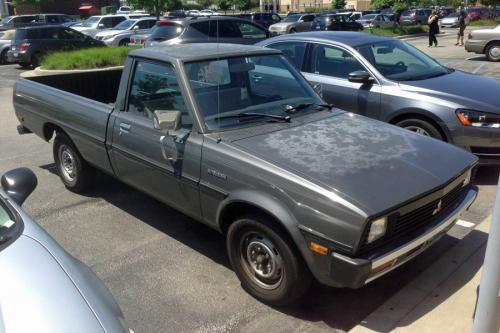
point(292, 31)
point(3, 57)
point(75, 173)
point(421, 127)
point(124, 42)
point(493, 52)
point(24, 64)
point(36, 59)
point(257, 235)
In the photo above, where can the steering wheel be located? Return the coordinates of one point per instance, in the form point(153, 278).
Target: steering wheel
point(401, 65)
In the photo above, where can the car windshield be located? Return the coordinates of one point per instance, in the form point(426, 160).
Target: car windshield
point(399, 61)
point(292, 18)
point(244, 91)
point(124, 25)
point(368, 17)
point(164, 32)
point(453, 15)
point(91, 21)
point(7, 223)
point(6, 20)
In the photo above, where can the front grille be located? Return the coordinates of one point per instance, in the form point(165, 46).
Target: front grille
point(419, 220)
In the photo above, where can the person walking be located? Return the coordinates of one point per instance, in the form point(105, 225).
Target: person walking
point(462, 23)
point(433, 28)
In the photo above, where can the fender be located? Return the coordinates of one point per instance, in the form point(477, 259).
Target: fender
point(409, 112)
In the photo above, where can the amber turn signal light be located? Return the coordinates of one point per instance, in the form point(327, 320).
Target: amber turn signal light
point(318, 248)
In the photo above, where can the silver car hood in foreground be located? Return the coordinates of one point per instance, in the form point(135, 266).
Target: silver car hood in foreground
point(374, 165)
point(468, 90)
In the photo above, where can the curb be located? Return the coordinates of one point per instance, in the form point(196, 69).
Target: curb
point(44, 72)
point(403, 311)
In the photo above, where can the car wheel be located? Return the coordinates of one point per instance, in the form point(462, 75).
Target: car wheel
point(124, 42)
point(36, 59)
point(24, 64)
point(493, 52)
point(74, 172)
point(421, 127)
point(3, 57)
point(266, 261)
point(292, 31)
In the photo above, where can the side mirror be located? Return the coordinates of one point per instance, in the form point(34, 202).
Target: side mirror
point(318, 88)
point(135, 28)
point(360, 77)
point(100, 26)
point(300, 21)
point(19, 184)
point(167, 120)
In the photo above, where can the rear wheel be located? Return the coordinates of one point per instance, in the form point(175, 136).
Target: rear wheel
point(36, 59)
point(266, 261)
point(421, 127)
point(292, 31)
point(3, 57)
point(74, 172)
point(25, 64)
point(124, 42)
point(493, 52)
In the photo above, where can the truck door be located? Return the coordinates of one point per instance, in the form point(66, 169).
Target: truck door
point(137, 151)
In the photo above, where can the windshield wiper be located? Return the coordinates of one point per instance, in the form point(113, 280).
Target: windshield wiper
point(255, 114)
point(292, 109)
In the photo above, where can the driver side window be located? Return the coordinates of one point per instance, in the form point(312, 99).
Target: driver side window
point(332, 61)
point(155, 87)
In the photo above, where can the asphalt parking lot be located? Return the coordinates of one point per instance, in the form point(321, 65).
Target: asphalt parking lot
point(169, 273)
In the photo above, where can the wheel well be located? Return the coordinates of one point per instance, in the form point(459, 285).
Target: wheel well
point(431, 121)
point(49, 129)
point(490, 43)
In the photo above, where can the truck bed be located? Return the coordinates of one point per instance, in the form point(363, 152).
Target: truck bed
point(79, 104)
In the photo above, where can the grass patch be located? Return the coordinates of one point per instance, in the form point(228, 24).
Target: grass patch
point(483, 23)
point(399, 30)
point(98, 57)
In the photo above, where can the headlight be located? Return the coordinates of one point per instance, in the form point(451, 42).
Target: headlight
point(467, 178)
point(377, 229)
point(478, 119)
point(109, 36)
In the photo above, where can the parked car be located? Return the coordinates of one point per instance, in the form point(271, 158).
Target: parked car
point(120, 35)
point(484, 41)
point(263, 19)
point(390, 80)
point(375, 21)
point(335, 22)
point(11, 22)
point(124, 10)
point(450, 21)
point(223, 29)
point(208, 12)
point(292, 24)
point(93, 24)
point(235, 137)
point(477, 13)
point(40, 280)
point(31, 44)
point(415, 16)
point(5, 41)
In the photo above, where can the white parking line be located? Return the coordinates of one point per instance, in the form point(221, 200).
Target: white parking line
point(478, 68)
point(465, 224)
point(449, 62)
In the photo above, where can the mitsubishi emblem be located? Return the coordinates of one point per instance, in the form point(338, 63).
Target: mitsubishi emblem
point(438, 208)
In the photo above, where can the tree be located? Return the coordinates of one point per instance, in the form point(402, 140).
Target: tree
point(243, 5)
point(338, 4)
point(205, 3)
point(224, 5)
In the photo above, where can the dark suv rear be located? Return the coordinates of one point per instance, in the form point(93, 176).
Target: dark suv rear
point(335, 22)
point(30, 44)
point(211, 29)
point(264, 19)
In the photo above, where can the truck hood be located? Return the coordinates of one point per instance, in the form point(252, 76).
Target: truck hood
point(468, 90)
point(371, 164)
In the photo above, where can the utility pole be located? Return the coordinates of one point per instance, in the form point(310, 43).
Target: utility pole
point(4, 8)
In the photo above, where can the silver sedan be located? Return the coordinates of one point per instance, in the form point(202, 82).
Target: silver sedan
point(390, 80)
point(292, 23)
point(485, 41)
point(45, 289)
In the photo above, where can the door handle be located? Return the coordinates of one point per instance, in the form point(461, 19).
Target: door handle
point(257, 78)
point(124, 128)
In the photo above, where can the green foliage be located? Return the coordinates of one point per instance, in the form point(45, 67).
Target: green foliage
point(399, 30)
point(98, 57)
point(205, 3)
point(243, 5)
point(338, 4)
point(224, 5)
point(483, 23)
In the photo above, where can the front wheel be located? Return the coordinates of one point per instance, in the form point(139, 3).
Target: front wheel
point(74, 172)
point(266, 261)
point(292, 31)
point(493, 52)
point(421, 127)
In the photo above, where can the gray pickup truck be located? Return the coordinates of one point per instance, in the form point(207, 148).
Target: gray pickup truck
point(235, 137)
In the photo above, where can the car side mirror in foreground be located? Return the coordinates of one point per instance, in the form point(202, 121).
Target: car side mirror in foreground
point(167, 120)
point(19, 184)
point(360, 77)
point(318, 88)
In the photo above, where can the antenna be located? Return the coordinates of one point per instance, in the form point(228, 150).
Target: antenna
point(218, 82)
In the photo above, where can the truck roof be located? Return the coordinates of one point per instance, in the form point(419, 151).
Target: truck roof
point(200, 51)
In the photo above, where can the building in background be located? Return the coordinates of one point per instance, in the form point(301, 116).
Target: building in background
point(304, 5)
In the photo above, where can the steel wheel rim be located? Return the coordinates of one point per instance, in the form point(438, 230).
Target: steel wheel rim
point(261, 260)
point(67, 161)
point(495, 52)
point(418, 130)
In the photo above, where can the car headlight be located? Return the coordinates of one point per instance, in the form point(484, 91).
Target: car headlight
point(377, 229)
point(467, 178)
point(109, 36)
point(478, 118)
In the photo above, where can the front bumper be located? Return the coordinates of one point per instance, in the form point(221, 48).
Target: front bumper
point(476, 46)
point(482, 142)
point(350, 272)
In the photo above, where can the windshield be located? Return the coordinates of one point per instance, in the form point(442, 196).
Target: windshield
point(453, 15)
point(292, 18)
point(164, 32)
point(124, 25)
point(244, 91)
point(6, 20)
point(91, 21)
point(399, 61)
point(8, 35)
point(8, 224)
point(368, 17)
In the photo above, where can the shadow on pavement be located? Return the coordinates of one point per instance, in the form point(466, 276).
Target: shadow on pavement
point(487, 175)
point(336, 308)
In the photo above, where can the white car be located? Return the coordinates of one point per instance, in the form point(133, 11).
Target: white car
point(120, 35)
point(124, 10)
point(93, 24)
point(450, 21)
point(5, 41)
point(207, 12)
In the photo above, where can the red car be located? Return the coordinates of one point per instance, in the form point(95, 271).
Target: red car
point(477, 13)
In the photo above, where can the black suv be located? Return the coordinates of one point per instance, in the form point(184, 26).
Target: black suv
point(12, 22)
point(264, 19)
point(211, 29)
point(30, 44)
point(335, 22)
